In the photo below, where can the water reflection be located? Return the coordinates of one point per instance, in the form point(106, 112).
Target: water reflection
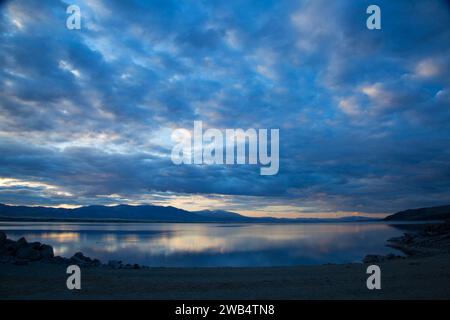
point(211, 244)
point(61, 236)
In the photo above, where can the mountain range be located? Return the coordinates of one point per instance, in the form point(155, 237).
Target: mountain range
point(152, 213)
point(145, 213)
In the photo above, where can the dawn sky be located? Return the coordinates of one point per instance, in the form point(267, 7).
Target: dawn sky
point(364, 115)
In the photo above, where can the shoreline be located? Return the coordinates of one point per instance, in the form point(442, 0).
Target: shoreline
point(411, 278)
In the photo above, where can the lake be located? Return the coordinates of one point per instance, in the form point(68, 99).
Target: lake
point(211, 245)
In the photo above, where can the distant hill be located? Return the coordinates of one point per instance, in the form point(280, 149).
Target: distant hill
point(119, 212)
point(422, 214)
point(145, 213)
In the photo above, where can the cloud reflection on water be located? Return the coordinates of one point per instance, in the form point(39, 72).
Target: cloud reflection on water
point(212, 244)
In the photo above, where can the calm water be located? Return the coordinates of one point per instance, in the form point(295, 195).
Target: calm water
point(185, 245)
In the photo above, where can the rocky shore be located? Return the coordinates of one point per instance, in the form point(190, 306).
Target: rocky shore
point(430, 240)
point(22, 252)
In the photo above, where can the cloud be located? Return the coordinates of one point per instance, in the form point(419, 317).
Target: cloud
point(364, 115)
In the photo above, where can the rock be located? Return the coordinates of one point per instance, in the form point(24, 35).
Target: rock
point(28, 253)
point(10, 246)
point(2, 238)
point(80, 258)
point(59, 260)
point(373, 258)
point(115, 264)
point(35, 245)
point(392, 256)
point(438, 228)
point(22, 242)
point(14, 246)
point(131, 266)
point(96, 262)
point(21, 252)
point(408, 238)
point(79, 255)
point(46, 251)
point(3, 251)
point(76, 259)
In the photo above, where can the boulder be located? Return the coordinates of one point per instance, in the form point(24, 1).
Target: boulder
point(96, 262)
point(392, 256)
point(22, 242)
point(59, 260)
point(408, 238)
point(115, 264)
point(80, 258)
point(21, 252)
point(373, 258)
point(35, 245)
point(46, 251)
point(10, 246)
point(2, 238)
point(28, 253)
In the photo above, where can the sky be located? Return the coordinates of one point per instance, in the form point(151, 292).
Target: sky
point(86, 115)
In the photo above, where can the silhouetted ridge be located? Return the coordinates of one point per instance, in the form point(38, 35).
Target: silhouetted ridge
point(422, 214)
point(145, 213)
